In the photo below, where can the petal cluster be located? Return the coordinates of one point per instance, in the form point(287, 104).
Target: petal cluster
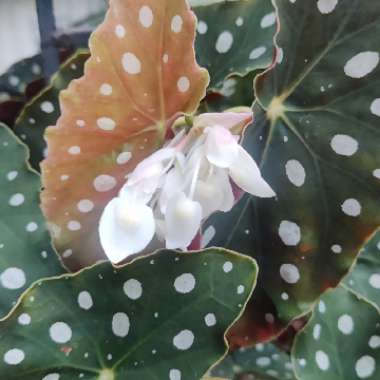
point(171, 193)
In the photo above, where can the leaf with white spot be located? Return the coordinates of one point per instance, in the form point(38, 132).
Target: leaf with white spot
point(261, 362)
point(26, 254)
point(317, 140)
point(44, 111)
point(239, 41)
point(365, 277)
point(142, 74)
point(19, 75)
point(235, 91)
point(99, 325)
point(347, 345)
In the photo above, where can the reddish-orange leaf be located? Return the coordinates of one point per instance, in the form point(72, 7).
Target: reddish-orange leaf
point(141, 75)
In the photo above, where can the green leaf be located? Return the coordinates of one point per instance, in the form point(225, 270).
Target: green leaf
point(235, 92)
point(26, 254)
point(341, 341)
point(316, 136)
point(365, 277)
point(239, 41)
point(44, 110)
point(163, 316)
point(18, 76)
point(262, 361)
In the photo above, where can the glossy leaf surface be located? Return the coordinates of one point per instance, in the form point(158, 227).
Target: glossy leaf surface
point(365, 277)
point(239, 41)
point(341, 341)
point(316, 136)
point(264, 361)
point(160, 317)
point(25, 248)
point(19, 75)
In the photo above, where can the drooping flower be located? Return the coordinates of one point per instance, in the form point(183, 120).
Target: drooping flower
point(171, 193)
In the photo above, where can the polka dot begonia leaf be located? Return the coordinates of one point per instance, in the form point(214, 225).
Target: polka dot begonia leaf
point(25, 250)
point(100, 324)
point(236, 91)
point(316, 136)
point(341, 341)
point(18, 76)
point(365, 277)
point(142, 74)
point(239, 41)
point(264, 361)
point(44, 111)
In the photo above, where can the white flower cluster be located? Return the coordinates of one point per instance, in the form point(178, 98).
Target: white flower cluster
point(172, 192)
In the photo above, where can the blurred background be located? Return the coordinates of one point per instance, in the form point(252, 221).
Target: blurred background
point(19, 32)
point(19, 29)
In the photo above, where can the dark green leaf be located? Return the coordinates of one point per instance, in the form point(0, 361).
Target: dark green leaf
point(26, 254)
point(316, 136)
point(341, 341)
point(365, 277)
point(235, 92)
point(235, 37)
point(263, 361)
point(161, 317)
point(15, 80)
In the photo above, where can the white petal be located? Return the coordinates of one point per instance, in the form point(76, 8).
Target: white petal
point(228, 120)
point(214, 193)
point(174, 183)
point(148, 172)
point(246, 174)
point(135, 194)
point(228, 195)
point(221, 146)
point(209, 196)
point(182, 221)
point(125, 229)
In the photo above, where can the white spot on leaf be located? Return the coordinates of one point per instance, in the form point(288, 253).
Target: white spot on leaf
point(295, 172)
point(290, 233)
point(224, 42)
point(346, 324)
point(183, 340)
point(362, 64)
point(60, 332)
point(146, 16)
point(131, 64)
point(176, 24)
point(13, 278)
point(185, 283)
point(365, 367)
point(344, 145)
point(106, 123)
point(258, 52)
point(268, 20)
point(133, 289)
point(85, 301)
point(104, 183)
point(120, 325)
point(351, 207)
point(290, 273)
point(183, 84)
point(327, 6)
point(202, 27)
point(322, 360)
point(14, 356)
